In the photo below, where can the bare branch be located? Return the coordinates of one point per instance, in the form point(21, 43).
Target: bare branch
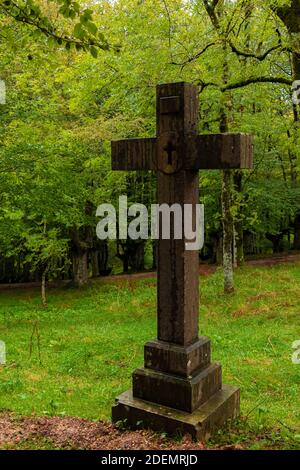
point(169, 21)
point(252, 81)
point(250, 55)
point(195, 57)
point(289, 15)
point(210, 8)
point(260, 57)
point(244, 83)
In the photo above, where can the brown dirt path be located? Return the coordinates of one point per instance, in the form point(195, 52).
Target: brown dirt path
point(77, 433)
point(275, 260)
point(204, 270)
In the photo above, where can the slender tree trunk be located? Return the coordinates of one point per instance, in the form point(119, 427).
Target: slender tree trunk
point(240, 257)
point(80, 250)
point(95, 263)
point(219, 250)
point(43, 288)
point(154, 255)
point(235, 263)
point(125, 264)
point(227, 232)
point(226, 199)
point(296, 244)
point(215, 11)
point(238, 224)
point(80, 268)
point(137, 257)
point(103, 258)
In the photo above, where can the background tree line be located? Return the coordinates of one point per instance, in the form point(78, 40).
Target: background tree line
point(79, 76)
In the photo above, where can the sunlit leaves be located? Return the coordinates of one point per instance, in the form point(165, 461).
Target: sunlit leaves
point(67, 23)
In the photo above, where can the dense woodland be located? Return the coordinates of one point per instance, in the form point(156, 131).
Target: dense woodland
point(80, 74)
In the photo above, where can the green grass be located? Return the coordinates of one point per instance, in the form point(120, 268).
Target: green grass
point(91, 341)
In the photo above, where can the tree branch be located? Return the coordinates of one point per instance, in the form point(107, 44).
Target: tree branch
point(260, 57)
point(210, 8)
point(289, 15)
point(195, 57)
point(244, 83)
point(234, 49)
point(169, 21)
point(252, 81)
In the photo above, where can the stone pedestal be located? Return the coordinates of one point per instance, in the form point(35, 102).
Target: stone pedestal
point(178, 390)
point(200, 424)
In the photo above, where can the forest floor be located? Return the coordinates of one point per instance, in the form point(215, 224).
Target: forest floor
point(205, 269)
point(73, 433)
point(66, 363)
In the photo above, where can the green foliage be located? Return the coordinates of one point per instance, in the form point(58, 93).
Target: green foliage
point(63, 109)
point(46, 20)
point(92, 340)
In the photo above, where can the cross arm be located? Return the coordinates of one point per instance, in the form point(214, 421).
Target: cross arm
point(220, 152)
point(134, 154)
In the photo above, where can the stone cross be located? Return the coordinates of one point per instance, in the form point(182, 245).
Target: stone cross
point(179, 389)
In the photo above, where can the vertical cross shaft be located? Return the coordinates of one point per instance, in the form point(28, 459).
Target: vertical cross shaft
point(178, 295)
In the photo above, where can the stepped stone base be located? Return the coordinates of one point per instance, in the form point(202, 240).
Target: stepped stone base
point(185, 394)
point(178, 360)
point(137, 413)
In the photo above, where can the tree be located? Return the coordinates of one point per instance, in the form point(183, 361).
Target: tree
point(64, 108)
point(65, 22)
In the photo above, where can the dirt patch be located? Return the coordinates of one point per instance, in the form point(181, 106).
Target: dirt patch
point(275, 260)
point(77, 433)
point(204, 270)
point(248, 311)
point(262, 296)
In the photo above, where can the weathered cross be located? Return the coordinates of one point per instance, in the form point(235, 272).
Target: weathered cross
point(178, 373)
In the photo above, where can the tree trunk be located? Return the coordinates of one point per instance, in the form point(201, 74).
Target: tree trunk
point(219, 250)
point(95, 263)
point(80, 268)
point(215, 13)
point(226, 198)
point(234, 248)
point(81, 244)
point(276, 242)
point(227, 232)
point(103, 259)
point(238, 224)
point(123, 254)
point(154, 255)
point(137, 257)
point(239, 244)
point(43, 288)
point(296, 245)
point(99, 258)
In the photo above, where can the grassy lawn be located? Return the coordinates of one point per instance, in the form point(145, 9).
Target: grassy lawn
point(76, 356)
